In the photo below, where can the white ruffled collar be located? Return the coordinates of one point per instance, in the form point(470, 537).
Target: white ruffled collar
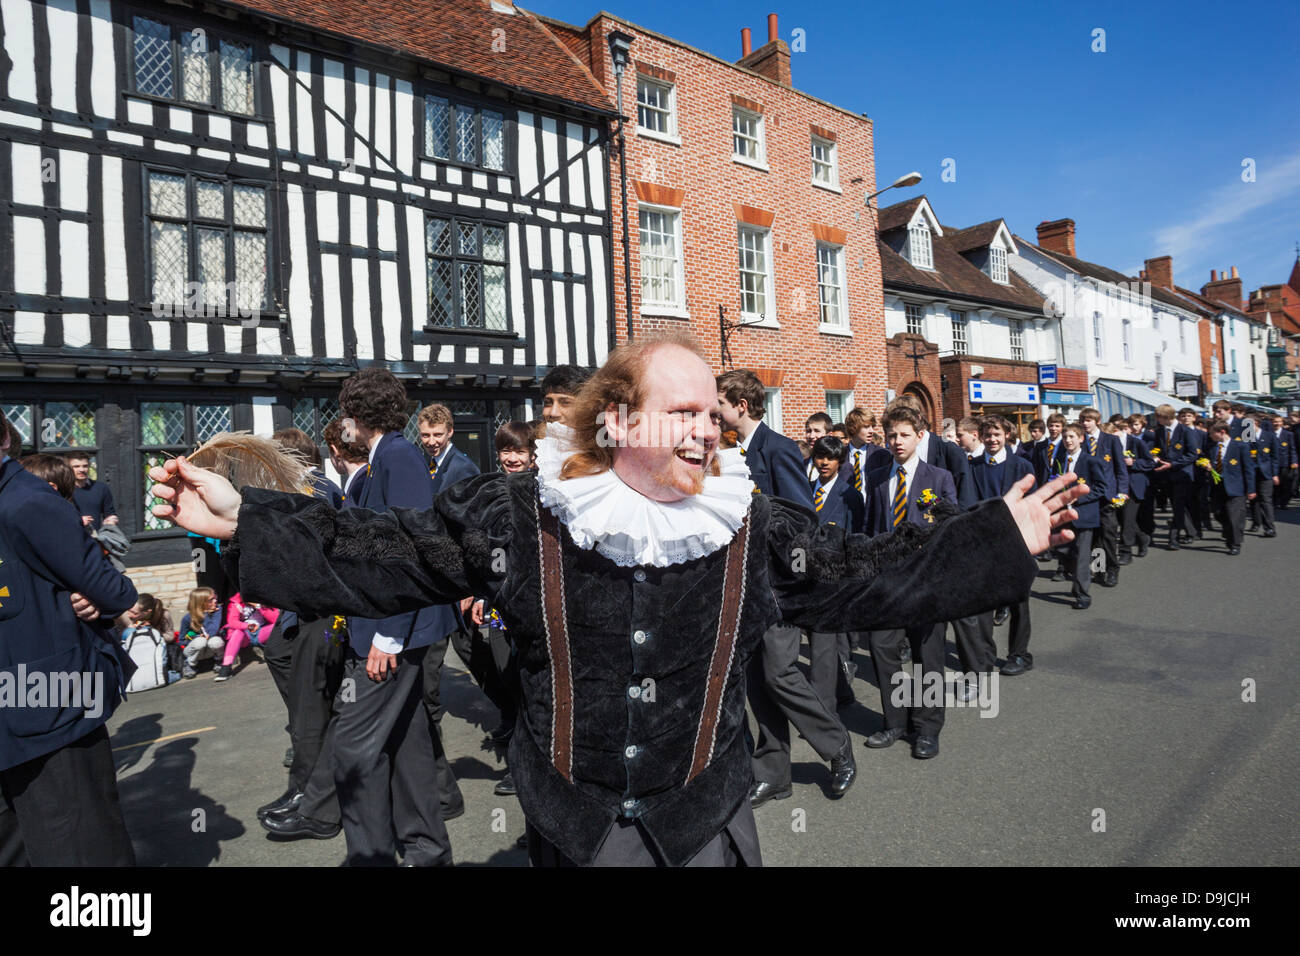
point(603, 513)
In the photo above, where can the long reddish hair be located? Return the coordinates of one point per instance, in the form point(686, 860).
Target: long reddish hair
point(619, 382)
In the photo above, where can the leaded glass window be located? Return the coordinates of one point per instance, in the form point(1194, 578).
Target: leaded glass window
point(465, 134)
point(193, 66)
point(466, 271)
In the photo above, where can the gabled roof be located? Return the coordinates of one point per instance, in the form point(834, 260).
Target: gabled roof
point(1294, 281)
point(456, 34)
point(979, 236)
point(954, 276)
point(898, 215)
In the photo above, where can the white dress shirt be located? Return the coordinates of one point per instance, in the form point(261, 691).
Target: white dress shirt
point(909, 467)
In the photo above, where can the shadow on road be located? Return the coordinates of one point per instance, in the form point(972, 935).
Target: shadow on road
point(170, 822)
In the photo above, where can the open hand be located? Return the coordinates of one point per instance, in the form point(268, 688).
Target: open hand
point(196, 499)
point(1040, 514)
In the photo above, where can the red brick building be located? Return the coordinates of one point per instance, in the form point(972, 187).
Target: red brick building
point(745, 204)
point(1281, 305)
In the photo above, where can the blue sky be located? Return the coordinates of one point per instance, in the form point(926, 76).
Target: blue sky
point(1142, 145)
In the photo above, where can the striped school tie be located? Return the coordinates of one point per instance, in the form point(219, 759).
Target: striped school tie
point(819, 499)
point(433, 467)
point(900, 498)
point(1092, 445)
point(857, 470)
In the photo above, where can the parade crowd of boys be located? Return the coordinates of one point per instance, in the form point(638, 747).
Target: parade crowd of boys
point(376, 769)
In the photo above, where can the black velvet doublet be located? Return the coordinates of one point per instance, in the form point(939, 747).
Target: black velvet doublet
point(641, 639)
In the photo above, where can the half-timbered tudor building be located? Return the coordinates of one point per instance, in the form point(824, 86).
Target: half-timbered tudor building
point(216, 211)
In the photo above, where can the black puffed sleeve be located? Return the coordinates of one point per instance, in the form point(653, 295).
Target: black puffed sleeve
point(298, 553)
point(963, 564)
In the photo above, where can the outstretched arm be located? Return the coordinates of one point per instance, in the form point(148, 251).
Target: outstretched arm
point(296, 552)
point(963, 565)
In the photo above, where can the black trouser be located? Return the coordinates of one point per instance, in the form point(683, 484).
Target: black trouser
point(1184, 494)
point(384, 766)
point(627, 844)
point(1018, 632)
point(779, 695)
point(448, 790)
point(927, 653)
point(66, 807)
point(1131, 530)
point(1286, 488)
point(1146, 518)
point(1109, 535)
point(975, 647)
point(1078, 561)
point(1261, 507)
point(828, 656)
point(308, 692)
point(492, 665)
point(1202, 510)
point(1232, 515)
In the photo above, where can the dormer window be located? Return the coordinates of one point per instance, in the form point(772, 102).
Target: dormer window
point(998, 264)
point(919, 251)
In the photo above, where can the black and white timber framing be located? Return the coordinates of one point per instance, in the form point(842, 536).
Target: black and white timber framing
point(336, 138)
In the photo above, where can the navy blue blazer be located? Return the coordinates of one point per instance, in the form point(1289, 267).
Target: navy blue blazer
point(776, 466)
point(1265, 453)
point(45, 555)
point(355, 490)
point(880, 510)
point(399, 478)
point(952, 459)
point(457, 466)
point(1009, 472)
point(1111, 452)
point(1286, 456)
point(844, 506)
point(1140, 468)
point(1236, 426)
point(1097, 474)
point(1185, 446)
point(1236, 471)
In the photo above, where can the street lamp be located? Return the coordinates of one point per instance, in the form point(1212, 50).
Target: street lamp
point(620, 45)
point(911, 179)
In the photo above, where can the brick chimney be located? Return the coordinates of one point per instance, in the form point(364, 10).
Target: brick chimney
point(1057, 236)
point(1226, 289)
point(1160, 272)
point(772, 59)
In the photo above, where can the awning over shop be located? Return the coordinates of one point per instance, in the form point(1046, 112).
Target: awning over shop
point(1238, 400)
point(1128, 398)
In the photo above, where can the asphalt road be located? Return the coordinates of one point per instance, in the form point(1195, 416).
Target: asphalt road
point(1129, 743)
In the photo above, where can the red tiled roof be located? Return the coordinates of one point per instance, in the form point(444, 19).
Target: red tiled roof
point(457, 34)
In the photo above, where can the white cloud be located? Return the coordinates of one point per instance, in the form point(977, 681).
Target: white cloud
point(1228, 205)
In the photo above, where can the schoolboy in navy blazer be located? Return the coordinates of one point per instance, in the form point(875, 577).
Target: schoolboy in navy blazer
point(1095, 473)
point(455, 466)
point(1230, 457)
point(1186, 444)
point(1264, 452)
point(951, 458)
point(1106, 447)
point(838, 503)
point(994, 474)
point(903, 426)
point(56, 764)
point(1139, 463)
point(397, 477)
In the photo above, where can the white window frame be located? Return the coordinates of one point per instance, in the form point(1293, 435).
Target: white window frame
point(1017, 334)
point(998, 265)
point(1098, 346)
point(920, 318)
point(772, 409)
point(768, 316)
point(1182, 335)
point(840, 288)
point(670, 135)
point(960, 323)
point(676, 308)
point(1160, 371)
point(1126, 338)
point(844, 401)
point(759, 160)
point(920, 240)
point(831, 163)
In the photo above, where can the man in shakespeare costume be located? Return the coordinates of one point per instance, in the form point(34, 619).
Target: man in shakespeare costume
point(636, 571)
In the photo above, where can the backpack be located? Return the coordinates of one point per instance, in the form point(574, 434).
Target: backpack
point(148, 650)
